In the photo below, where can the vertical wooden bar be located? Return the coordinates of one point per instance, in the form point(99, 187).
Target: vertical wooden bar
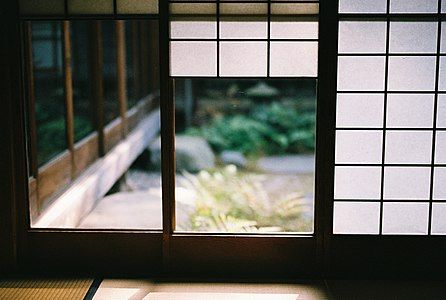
point(97, 82)
point(68, 87)
point(31, 105)
point(167, 135)
point(121, 74)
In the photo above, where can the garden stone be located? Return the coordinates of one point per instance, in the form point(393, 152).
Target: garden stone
point(192, 153)
point(234, 158)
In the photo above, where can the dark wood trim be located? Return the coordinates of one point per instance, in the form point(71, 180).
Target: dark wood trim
point(325, 127)
point(30, 93)
point(97, 79)
point(68, 89)
point(167, 135)
point(121, 75)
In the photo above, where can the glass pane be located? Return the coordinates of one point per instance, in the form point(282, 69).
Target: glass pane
point(243, 8)
point(123, 191)
point(293, 30)
point(243, 58)
point(362, 6)
point(49, 90)
point(358, 146)
point(404, 110)
point(439, 186)
point(294, 58)
point(360, 110)
point(193, 58)
point(438, 218)
point(408, 147)
point(413, 6)
point(362, 37)
point(137, 6)
point(192, 8)
point(245, 155)
point(413, 37)
point(90, 6)
point(356, 218)
point(440, 148)
point(294, 8)
point(441, 111)
point(405, 218)
point(412, 73)
point(243, 29)
point(41, 7)
point(80, 65)
point(111, 103)
point(361, 73)
point(406, 183)
point(357, 183)
point(193, 29)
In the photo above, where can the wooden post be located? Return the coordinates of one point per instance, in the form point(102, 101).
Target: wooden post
point(136, 59)
point(97, 81)
point(31, 105)
point(68, 87)
point(121, 74)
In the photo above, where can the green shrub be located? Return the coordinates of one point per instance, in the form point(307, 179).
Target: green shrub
point(268, 129)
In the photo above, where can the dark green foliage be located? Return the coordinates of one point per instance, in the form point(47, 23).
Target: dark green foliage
point(274, 128)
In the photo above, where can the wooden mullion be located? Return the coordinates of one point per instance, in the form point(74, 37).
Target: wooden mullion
point(121, 74)
point(97, 63)
point(31, 107)
point(68, 87)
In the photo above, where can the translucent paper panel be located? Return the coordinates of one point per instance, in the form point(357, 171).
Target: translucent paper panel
point(361, 73)
point(413, 6)
point(441, 111)
point(440, 148)
point(41, 7)
point(442, 78)
point(355, 146)
point(243, 30)
point(413, 37)
point(193, 58)
point(359, 110)
point(443, 37)
point(405, 218)
point(410, 110)
point(90, 6)
point(294, 30)
point(294, 59)
point(243, 58)
point(408, 147)
point(357, 183)
point(362, 6)
point(412, 73)
point(356, 218)
point(193, 29)
point(362, 37)
point(406, 183)
point(439, 184)
point(137, 6)
point(438, 218)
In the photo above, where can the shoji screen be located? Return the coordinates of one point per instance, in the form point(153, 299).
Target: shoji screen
point(390, 173)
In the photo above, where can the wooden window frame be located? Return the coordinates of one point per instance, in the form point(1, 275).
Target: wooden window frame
point(150, 252)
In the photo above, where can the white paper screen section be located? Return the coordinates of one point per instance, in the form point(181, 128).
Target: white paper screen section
point(253, 39)
point(390, 156)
